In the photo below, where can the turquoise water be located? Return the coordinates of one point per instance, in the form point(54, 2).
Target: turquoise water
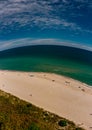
point(42, 63)
point(65, 67)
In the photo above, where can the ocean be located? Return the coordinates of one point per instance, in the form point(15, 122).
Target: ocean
point(68, 61)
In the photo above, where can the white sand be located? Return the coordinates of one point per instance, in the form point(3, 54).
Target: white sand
point(64, 96)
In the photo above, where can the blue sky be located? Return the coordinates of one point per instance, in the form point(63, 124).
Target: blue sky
point(63, 22)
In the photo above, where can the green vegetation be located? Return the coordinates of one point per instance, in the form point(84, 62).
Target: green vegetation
point(16, 114)
point(62, 123)
point(34, 127)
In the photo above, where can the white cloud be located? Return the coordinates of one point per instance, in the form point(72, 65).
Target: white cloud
point(31, 41)
point(65, 1)
point(40, 13)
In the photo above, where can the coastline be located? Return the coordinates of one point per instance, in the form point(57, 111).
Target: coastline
point(61, 95)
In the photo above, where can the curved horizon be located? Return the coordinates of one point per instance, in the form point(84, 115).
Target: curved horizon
point(10, 44)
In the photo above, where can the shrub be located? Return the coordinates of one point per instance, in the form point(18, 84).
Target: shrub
point(62, 123)
point(29, 105)
point(1, 125)
point(34, 127)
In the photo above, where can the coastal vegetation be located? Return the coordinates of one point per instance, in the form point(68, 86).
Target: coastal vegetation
point(16, 114)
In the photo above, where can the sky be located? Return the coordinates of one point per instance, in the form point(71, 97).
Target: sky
point(33, 22)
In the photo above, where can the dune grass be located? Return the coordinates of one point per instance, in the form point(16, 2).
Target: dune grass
point(16, 114)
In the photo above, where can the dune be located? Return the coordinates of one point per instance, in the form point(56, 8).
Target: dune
point(58, 94)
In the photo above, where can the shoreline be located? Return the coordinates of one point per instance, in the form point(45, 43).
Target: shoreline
point(58, 94)
point(61, 75)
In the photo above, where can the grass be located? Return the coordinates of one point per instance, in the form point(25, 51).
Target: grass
point(16, 114)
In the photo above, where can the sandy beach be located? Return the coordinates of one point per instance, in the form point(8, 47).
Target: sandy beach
point(64, 96)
